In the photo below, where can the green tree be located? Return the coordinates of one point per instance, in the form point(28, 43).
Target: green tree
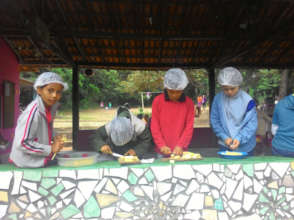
point(142, 81)
point(198, 82)
point(261, 83)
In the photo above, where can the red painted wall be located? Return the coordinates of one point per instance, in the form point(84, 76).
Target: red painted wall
point(9, 70)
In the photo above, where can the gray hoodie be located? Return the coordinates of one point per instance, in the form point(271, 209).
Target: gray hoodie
point(140, 141)
point(31, 145)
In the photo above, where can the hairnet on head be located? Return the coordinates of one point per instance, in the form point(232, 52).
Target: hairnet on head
point(121, 131)
point(47, 78)
point(175, 79)
point(230, 76)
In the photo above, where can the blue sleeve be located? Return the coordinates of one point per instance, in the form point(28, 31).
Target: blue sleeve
point(215, 120)
point(249, 128)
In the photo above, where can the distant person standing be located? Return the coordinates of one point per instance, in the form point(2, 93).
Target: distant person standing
point(101, 104)
point(204, 100)
point(109, 105)
point(199, 104)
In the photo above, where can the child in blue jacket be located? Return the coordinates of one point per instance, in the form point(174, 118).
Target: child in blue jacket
point(233, 114)
point(283, 127)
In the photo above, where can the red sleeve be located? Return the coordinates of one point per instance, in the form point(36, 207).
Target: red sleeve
point(155, 125)
point(189, 127)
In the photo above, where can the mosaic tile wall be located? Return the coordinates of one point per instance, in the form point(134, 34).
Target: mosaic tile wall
point(213, 191)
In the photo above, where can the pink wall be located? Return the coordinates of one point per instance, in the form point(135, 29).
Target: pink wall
point(9, 70)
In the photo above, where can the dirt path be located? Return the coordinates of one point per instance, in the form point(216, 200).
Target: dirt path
point(203, 120)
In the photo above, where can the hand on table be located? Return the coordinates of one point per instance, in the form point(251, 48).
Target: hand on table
point(235, 144)
point(106, 149)
point(165, 150)
point(178, 151)
point(228, 142)
point(130, 152)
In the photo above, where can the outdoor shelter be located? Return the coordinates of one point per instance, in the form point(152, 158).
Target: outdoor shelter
point(148, 34)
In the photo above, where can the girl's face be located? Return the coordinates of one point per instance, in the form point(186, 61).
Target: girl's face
point(50, 93)
point(174, 95)
point(230, 91)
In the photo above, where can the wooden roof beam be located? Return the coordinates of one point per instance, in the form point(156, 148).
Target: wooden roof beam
point(59, 49)
point(10, 44)
point(30, 35)
point(163, 25)
point(262, 65)
point(36, 46)
point(275, 33)
point(283, 53)
point(80, 49)
point(156, 65)
point(19, 33)
point(288, 9)
point(253, 46)
point(138, 36)
point(77, 43)
point(147, 65)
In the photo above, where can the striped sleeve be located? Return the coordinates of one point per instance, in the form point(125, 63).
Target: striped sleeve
point(29, 139)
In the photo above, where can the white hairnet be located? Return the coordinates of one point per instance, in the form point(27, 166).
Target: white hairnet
point(230, 76)
point(47, 78)
point(121, 131)
point(175, 79)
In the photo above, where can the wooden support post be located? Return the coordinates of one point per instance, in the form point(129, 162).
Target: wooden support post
point(211, 83)
point(75, 106)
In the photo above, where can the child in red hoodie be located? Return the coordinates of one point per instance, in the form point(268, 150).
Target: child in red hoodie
point(172, 115)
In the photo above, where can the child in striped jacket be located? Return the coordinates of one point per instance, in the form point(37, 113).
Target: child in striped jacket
point(32, 145)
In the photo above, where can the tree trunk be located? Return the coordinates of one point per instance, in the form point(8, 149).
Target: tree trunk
point(284, 83)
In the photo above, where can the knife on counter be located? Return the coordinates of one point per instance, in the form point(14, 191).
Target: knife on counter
point(116, 155)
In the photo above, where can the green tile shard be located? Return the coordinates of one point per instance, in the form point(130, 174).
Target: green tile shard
point(50, 173)
point(149, 175)
point(32, 175)
point(47, 183)
point(57, 189)
point(248, 169)
point(43, 191)
point(263, 199)
point(218, 204)
point(286, 207)
point(265, 190)
point(272, 216)
point(282, 190)
point(51, 200)
point(69, 211)
point(281, 201)
point(128, 195)
point(13, 217)
point(274, 194)
point(263, 210)
point(91, 208)
point(132, 178)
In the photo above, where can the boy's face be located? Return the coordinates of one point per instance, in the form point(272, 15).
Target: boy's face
point(50, 93)
point(230, 91)
point(174, 95)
